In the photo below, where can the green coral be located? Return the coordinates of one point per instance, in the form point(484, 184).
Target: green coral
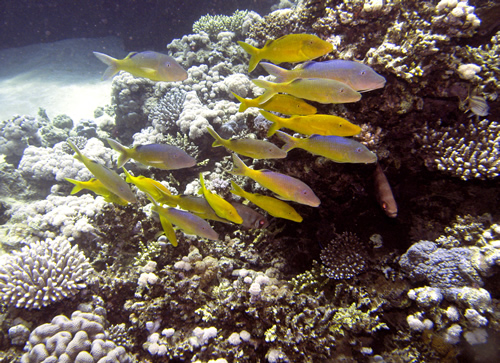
point(214, 24)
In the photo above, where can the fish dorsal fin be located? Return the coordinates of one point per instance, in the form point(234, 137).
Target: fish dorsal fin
point(269, 42)
point(130, 55)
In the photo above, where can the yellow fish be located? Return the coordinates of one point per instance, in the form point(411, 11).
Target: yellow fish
point(186, 221)
point(275, 207)
point(312, 89)
point(200, 207)
point(222, 208)
point(289, 48)
point(148, 186)
point(107, 177)
point(161, 156)
point(152, 65)
point(97, 187)
point(257, 149)
point(358, 76)
point(336, 148)
point(285, 104)
point(312, 124)
point(287, 187)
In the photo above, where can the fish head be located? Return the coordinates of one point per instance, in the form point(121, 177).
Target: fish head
point(361, 154)
point(180, 159)
point(314, 47)
point(345, 94)
point(306, 196)
point(366, 79)
point(172, 71)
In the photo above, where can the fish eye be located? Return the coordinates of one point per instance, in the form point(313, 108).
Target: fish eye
point(341, 90)
point(358, 150)
point(262, 222)
point(362, 72)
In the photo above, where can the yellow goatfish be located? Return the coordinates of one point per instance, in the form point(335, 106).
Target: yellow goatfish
point(336, 148)
point(287, 187)
point(221, 207)
point(187, 222)
point(289, 48)
point(97, 187)
point(147, 185)
point(161, 156)
point(257, 149)
point(152, 65)
point(285, 104)
point(312, 124)
point(313, 89)
point(107, 177)
point(200, 207)
point(358, 76)
point(275, 207)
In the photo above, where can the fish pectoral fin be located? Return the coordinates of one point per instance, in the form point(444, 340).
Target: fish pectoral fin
point(148, 70)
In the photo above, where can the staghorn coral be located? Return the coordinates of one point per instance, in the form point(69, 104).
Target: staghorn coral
point(43, 273)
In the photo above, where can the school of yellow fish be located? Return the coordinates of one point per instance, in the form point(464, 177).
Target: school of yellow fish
point(335, 81)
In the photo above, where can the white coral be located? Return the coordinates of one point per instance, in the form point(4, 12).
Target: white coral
point(42, 273)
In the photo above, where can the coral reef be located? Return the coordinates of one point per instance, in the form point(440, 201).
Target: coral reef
point(419, 287)
point(42, 273)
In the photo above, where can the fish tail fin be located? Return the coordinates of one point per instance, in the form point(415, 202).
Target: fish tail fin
point(269, 86)
point(124, 152)
point(128, 178)
point(237, 190)
point(169, 230)
point(290, 141)
point(77, 186)
point(239, 167)
point(112, 65)
point(215, 135)
point(281, 74)
point(243, 105)
point(254, 55)
point(78, 154)
point(274, 119)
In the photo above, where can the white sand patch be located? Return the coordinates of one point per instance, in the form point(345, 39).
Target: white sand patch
point(61, 77)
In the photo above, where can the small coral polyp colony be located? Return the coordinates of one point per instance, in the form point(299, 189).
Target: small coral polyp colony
point(203, 236)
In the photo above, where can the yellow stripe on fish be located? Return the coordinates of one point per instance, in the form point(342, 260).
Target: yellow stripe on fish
point(285, 104)
point(222, 208)
point(335, 148)
point(107, 177)
point(152, 65)
point(275, 207)
point(358, 76)
point(313, 89)
point(161, 156)
point(312, 124)
point(98, 188)
point(289, 48)
point(257, 149)
point(287, 187)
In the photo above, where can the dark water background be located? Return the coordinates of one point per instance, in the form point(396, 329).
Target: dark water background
point(142, 24)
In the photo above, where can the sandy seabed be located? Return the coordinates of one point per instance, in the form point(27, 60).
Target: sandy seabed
point(62, 77)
